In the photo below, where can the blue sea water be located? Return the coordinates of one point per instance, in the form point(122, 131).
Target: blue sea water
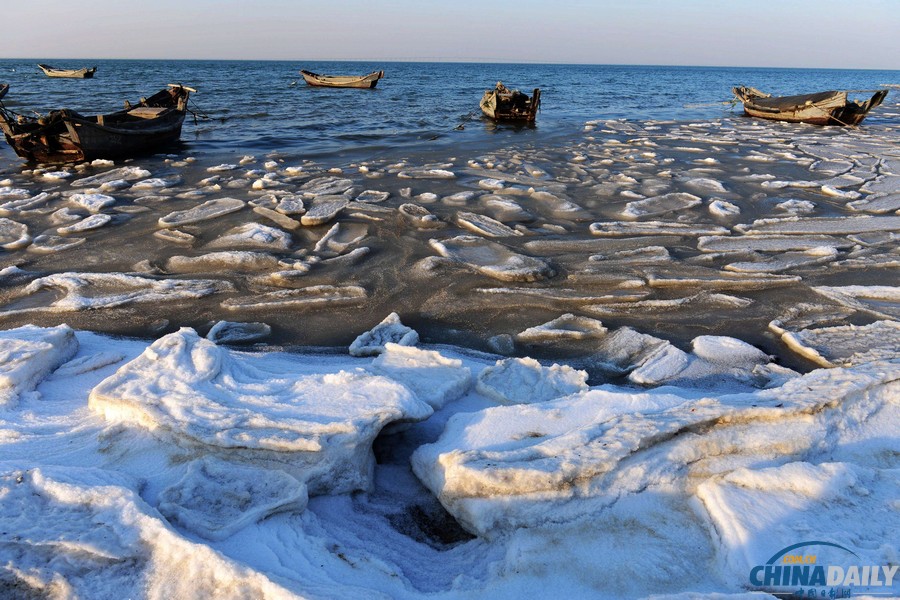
point(257, 107)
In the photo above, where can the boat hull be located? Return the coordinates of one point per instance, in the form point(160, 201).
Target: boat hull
point(823, 108)
point(65, 136)
point(510, 106)
point(342, 81)
point(83, 73)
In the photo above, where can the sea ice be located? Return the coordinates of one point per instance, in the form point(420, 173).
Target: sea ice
point(845, 345)
point(228, 332)
point(629, 228)
point(770, 243)
point(317, 428)
point(564, 327)
point(122, 173)
point(216, 498)
point(341, 237)
point(210, 209)
point(13, 235)
point(484, 225)
point(419, 216)
point(390, 330)
point(239, 261)
point(253, 235)
point(86, 224)
point(92, 202)
point(323, 209)
point(48, 244)
point(434, 378)
point(307, 297)
point(882, 301)
point(525, 380)
point(659, 205)
point(492, 259)
point(786, 261)
point(28, 354)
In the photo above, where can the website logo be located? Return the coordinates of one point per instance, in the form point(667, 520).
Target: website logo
point(821, 570)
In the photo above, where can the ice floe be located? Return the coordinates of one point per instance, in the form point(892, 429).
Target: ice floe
point(492, 259)
point(390, 330)
point(28, 354)
point(210, 209)
point(525, 380)
point(845, 345)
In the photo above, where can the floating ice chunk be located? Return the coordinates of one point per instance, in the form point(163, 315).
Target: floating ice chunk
point(837, 193)
point(86, 533)
point(87, 224)
point(120, 174)
point(228, 332)
point(390, 330)
point(525, 380)
point(435, 379)
point(505, 210)
point(215, 499)
point(845, 345)
point(175, 236)
point(770, 243)
point(28, 355)
point(13, 235)
point(664, 363)
point(492, 259)
point(797, 207)
point(559, 208)
point(56, 175)
point(209, 210)
point(65, 215)
point(706, 185)
point(565, 327)
point(786, 261)
point(880, 300)
point(373, 196)
point(826, 225)
point(419, 216)
point(277, 217)
point(157, 183)
point(318, 428)
point(484, 225)
point(457, 199)
point(325, 186)
point(882, 185)
point(324, 209)
point(879, 204)
point(426, 174)
point(10, 193)
point(253, 235)
point(88, 291)
point(222, 168)
point(728, 351)
point(92, 202)
point(628, 228)
point(625, 349)
point(342, 236)
point(723, 208)
point(214, 262)
point(20, 205)
point(709, 279)
point(660, 205)
point(48, 244)
point(491, 184)
point(291, 205)
point(308, 297)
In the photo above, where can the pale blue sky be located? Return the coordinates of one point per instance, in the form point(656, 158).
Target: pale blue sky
point(778, 33)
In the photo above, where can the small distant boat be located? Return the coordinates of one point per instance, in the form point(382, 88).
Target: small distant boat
point(344, 81)
point(64, 136)
point(4, 87)
point(822, 108)
point(83, 73)
point(503, 104)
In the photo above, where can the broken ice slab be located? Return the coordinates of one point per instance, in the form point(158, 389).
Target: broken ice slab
point(629, 228)
point(215, 498)
point(882, 301)
point(240, 261)
point(228, 332)
point(94, 291)
point(323, 209)
point(87, 224)
point(210, 209)
point(785, 262)
point(315, 296)
point(325, 186)
point(340, 237)
point(390, 330)
point(525, 380)
point(844, 345)
point(253, 235)
point(484, 225)
point(28, 354)
point(256, 410)
point(564, 327)
point(13, 235)
point(492, 259)
point(567, 296)
point(597, 246)
point(770, 243)
point(823, 225)
point(434, 378)
point(660, 205)
point(710, 279)
point(122, 173)
point(419, 216)
point(876, 204)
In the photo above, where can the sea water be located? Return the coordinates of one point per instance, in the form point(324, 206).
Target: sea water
point(613, 193)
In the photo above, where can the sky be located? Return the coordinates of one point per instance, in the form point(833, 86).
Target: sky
point(863, 34)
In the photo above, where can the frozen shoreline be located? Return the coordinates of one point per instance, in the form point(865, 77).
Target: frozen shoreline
point(182, 468)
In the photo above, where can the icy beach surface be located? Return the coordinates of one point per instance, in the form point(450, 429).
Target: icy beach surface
point(182, 468)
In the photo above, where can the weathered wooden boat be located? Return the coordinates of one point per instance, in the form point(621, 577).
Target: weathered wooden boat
point(504, 104)
point(83, 73)
point(822, 108)
point(343, 81)
point(4, 87)
point(64, 136)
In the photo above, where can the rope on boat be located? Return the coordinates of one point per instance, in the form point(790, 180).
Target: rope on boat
point(196, 113)
point(466, 119)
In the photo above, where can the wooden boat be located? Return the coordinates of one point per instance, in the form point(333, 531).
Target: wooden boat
point(83, 73)
point(344, 81)
point(503, 104)
point(64, 136)
point(822, 108)
point(4, 87)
